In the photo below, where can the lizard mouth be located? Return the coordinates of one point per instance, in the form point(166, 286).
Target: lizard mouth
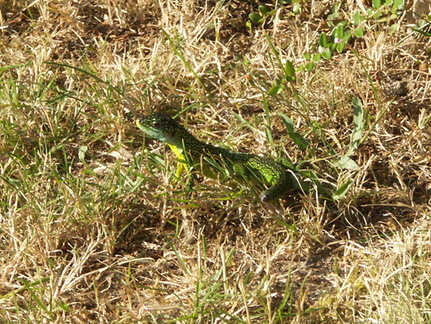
point(150, 131)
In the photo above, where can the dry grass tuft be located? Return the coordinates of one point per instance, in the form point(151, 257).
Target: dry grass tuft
point(93, 227)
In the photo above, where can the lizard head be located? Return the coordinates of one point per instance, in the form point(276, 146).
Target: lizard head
point(161, 127)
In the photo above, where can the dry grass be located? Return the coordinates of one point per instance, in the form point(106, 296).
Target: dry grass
point(93, 229)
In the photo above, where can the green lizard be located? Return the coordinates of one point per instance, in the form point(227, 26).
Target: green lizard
point(208, 159)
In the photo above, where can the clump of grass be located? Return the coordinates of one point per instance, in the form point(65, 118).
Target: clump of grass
point(93, 229)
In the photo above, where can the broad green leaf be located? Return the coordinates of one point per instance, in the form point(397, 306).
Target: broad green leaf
point(359, 32)
point(289, 69)
point(358, 121)
point(398, 5)
point(264, 10)
point(316, 58)
point(342, 190)
point(326, 54)
point(288, 123)
point(248, 26)
point(340, 47)
point(309, 66)
point(376, 4)
point(357, 18)
point(378, 14)
point(255, 17)
point(347, 35)
point(332, 47)
point(274, 90)
point(297, 138)
point(296, 7)
point(323, 40)
point(81, 152)
point(343, 42)
point(338, 32)
point(347, 163)
point(300, 141)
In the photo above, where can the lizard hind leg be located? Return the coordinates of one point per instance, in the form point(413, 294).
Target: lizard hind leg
point(246, 175)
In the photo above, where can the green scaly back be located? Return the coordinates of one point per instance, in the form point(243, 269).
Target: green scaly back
point(212, 161)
